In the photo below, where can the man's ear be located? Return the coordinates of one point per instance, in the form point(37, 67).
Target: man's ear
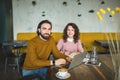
point(39, 30)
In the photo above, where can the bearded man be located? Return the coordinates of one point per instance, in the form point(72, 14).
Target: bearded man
point(38, 51)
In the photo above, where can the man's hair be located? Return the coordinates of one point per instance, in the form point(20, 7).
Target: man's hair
point(42, 22)
point(76, 35)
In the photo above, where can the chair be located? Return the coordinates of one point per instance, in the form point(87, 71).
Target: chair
point(28, 77)
point(11, 59)
point(21, 61)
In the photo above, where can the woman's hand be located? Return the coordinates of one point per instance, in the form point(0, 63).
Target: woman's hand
point(77, 53)
point(67, 53)
point(68, 59)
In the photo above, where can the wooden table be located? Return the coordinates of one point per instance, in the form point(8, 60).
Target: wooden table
point(103, 43)
point(8, 46)
point(15, 43)
point(89, 72)
point(106, 44)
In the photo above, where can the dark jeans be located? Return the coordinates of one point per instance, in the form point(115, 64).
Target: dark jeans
point(42, 72)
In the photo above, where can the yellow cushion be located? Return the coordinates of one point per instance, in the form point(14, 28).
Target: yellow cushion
point(86, 38)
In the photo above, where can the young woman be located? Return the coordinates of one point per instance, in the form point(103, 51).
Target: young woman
point(70, 43)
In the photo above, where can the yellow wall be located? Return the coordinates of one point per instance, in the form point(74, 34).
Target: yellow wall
point(86, 38)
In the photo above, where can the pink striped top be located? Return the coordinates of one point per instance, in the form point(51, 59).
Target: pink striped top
point(69, 46)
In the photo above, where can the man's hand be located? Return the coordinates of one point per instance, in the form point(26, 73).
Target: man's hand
point(60, 61)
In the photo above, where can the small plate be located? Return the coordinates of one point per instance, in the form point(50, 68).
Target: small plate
point(60, 77)
point(72, 55)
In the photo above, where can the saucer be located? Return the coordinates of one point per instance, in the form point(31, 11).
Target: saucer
point(61, 77)
point(72, 55)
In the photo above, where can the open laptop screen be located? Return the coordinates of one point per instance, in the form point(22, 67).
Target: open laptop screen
point(77, 60)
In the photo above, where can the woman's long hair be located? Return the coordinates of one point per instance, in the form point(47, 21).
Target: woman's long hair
point(76, 35)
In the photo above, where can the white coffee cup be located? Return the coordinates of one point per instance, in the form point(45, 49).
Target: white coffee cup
point(62, 72)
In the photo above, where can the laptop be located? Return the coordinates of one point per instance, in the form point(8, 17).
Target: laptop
point(77, 60)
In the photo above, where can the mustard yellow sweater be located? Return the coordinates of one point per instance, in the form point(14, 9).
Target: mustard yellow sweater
point(38, 52)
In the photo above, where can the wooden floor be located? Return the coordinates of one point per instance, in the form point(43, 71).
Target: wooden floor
point(11, 74)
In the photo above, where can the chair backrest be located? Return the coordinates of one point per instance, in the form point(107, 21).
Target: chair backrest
point(22, 58)
point(21, 61)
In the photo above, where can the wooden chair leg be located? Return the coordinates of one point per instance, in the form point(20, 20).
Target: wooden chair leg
point(6, 61)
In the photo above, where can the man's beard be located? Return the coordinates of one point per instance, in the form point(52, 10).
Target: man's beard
point(45, 37)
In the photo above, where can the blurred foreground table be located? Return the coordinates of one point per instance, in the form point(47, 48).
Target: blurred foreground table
point(106, 44)
point(15, 43)
point(88, 72)
point(12, 52)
